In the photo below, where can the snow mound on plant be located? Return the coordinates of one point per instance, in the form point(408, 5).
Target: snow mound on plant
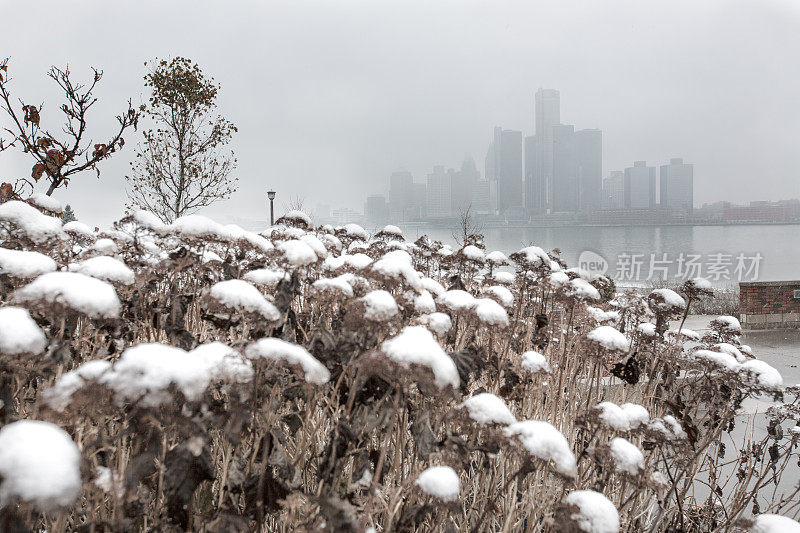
point(609, 338)
point(672, 300)
point(265, 276)
point(105, 268)
point(424, 303)
point(93, 297)
point(457, 300)
point(416, 345)
point(490, 312)
point(25, 264)
point(36, 225)
point(505, 296)
point(241, 295)
point(339, 283)
point(144, 372)
point(39, 464)
point(78, 229)
point(486, 408)
point(596, 513)
point(19, 334)
point(279, 350)
point(397, 265)
point(627, 457)
point(440, 481)
point(544, 441)
point(439, 323)
point(773, 523)
point(535, 362)
point(625, 417)
point(46, 202)
point(297, 253)
point(380, 306)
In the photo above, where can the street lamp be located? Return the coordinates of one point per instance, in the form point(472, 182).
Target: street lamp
point(271, 196)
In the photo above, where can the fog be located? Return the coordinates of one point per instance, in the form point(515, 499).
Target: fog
point(331, 97)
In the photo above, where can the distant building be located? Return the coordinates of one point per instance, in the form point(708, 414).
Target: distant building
point(565, 171)
point(419, 207)
point(640, 186)
point(401, 196)
point(588, 150)
point(484, 197)
point(563, 167)
point(614, 190)
point(463, 185)
point(376, 210)
point(677, 187)
point(504, 166)
point(345, 215)
point(756, 212)
point(535, 192)
point(547, 104)
point(439, 193)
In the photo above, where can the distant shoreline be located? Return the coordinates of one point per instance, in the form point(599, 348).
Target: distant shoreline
point(448, 224)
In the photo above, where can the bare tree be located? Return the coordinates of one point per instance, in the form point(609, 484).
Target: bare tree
point(58, 160)
point(467, 228)
point(180, 167)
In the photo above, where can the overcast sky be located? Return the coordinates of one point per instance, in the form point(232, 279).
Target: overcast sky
point(330, 97)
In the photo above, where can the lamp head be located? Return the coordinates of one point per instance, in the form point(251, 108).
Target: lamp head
point(271, 195)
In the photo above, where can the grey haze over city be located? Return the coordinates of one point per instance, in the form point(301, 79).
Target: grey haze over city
point(331, 98)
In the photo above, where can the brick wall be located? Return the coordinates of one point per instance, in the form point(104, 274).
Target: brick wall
point(769, 304)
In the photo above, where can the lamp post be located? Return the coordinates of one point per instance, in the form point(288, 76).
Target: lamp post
point(271, 196)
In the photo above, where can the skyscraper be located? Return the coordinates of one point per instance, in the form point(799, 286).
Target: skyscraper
point(439, 193)
point(375, 209)
point(640, 186)
point(401, 195)
point(535, 193)
point(504, 168)
point(548, 114)
point(677, 187)
point(463, 185)
point(509, 178)
point(564, 187)
point(614, 190)
point(588, 146)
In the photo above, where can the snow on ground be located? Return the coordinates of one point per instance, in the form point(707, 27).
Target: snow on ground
point(40, 464)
